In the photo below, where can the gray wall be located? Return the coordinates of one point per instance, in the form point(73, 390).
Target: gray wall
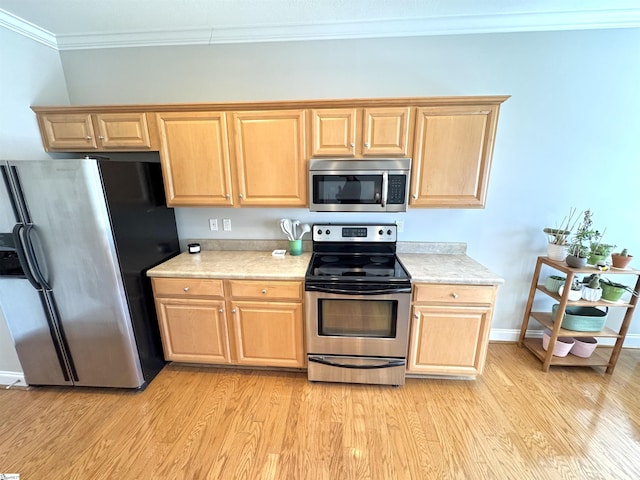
point(564, 138)
point(30, 73)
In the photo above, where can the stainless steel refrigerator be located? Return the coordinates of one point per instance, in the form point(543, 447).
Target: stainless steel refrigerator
point(76, 239)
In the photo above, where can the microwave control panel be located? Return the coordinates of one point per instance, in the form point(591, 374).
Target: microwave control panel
point(397, 189)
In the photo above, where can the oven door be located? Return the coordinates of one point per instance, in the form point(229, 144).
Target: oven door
point(358, 323)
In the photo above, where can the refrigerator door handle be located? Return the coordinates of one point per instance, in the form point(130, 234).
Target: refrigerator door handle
point(32, 257)
point(22, 256)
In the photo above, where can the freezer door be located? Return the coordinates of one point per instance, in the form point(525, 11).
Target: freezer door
point(73, 239)
point(23, 311)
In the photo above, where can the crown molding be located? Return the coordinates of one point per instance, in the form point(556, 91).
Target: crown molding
point(26, 29)
point(384, 28)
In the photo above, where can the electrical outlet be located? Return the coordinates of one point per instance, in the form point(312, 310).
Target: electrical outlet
point(226, 224)
point(213, 224)
point(400, 225)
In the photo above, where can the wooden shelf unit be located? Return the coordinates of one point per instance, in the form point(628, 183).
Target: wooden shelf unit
point(602, 356)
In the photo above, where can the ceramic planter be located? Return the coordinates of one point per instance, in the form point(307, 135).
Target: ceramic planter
point(611, 293)
point(591, 294)
point(556, 252)
point(574, 295)
point(594, 259)
point(619, 261)
point(576, 262)
point(554, 282)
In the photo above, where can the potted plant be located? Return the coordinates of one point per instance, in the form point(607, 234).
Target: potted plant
point(592, 291)
point(612, 291)
point(575, 290)
point(622, 259)
point(558, 238)
point(579, 249)
point(599, 251)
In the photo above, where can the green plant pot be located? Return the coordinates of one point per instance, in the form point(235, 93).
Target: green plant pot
point(611, 293)
point(594, 259)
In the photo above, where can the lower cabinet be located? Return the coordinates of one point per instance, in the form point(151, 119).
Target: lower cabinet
point(239, 322)
point(450, 329)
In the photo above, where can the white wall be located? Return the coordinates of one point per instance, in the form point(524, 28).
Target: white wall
point(568, 136)
point(30, 73)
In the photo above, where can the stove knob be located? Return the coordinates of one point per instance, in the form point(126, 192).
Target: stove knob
point(389, 232)
point(319, 232)
point(327, 231)
point(380, 232)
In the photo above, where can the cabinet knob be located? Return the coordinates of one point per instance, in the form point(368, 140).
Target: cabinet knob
point(227, 196)
point(186, 289)
point(241, 196)
point(415, 195)
point(88, 138)
point(366, 145)
point(221, 310)
point(416, 316)
point(233, 310)
point(352, 145)
point(264, 291)
point(101, 137)
point(454, 295)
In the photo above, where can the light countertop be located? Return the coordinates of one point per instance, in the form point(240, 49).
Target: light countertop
point(234, 264)
point(423, 267)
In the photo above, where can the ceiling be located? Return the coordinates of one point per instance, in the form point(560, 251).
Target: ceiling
point(82, 24)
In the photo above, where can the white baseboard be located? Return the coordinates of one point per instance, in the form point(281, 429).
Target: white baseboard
point(13, 379)
point(509, 335)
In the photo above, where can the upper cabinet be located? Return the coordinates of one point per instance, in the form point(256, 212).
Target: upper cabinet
point(452, 155)
point(67, 132)
point(256, 154)
point(361, 132)
point(269, 156)
point(195, 158)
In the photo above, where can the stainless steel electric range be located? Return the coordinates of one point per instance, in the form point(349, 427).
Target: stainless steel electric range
point(357, 296)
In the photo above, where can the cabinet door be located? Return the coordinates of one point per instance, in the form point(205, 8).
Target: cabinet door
point(333, 132)
point(118, 131)
point(269, 153)
point(386, 131)
point(193, 330)
point(67, 131)
point(195, 158)
point(452, 156)
point(449, 340)
point(268, 334)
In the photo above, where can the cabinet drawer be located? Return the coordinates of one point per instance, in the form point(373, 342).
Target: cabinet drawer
point(187, 287)
point(261, 290)
point(444, 293)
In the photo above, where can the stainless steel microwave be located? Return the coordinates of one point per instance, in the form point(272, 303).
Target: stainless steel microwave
point(363, 185)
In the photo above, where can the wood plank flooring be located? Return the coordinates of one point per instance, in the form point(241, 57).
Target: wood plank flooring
point(513, 422)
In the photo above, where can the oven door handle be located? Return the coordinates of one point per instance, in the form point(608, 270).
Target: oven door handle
point(386, 363)
point(381, 291)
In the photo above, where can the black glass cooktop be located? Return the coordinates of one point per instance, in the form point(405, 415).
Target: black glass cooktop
point(353, 266)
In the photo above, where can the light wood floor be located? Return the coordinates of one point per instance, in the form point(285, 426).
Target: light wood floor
point(514, 422)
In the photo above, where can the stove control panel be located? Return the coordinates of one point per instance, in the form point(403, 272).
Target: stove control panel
point(334, 232)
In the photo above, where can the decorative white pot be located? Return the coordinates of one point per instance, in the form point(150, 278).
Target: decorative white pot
point(556, 252)
point(591, 294)
point(574, 295)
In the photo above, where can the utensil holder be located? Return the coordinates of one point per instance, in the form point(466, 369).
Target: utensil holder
point(295, 247)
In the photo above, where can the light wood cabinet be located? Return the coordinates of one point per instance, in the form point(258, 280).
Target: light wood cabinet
point(66, 132)
point(361, 132)
point(239, 322)
point(192, 320)
point(194, 152)
point(450, 329)
point(269, 155)
point(452, 155)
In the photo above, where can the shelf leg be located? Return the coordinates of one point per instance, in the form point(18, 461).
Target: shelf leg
point(532, 293)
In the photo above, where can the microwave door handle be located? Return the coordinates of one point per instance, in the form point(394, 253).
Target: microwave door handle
point(385, 187)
